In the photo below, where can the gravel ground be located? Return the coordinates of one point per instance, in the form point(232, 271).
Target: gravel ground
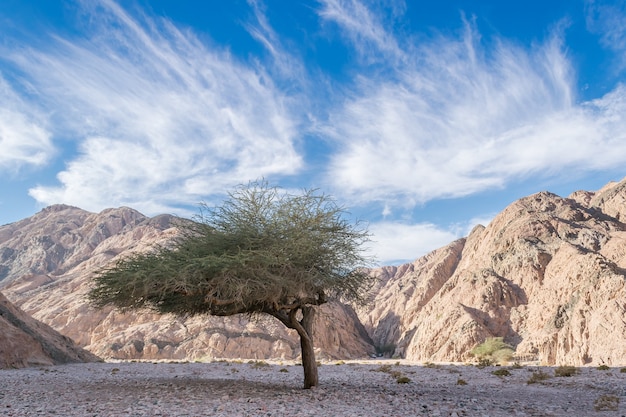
point(348, 389)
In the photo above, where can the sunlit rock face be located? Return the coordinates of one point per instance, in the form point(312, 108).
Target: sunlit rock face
point(47, 262)
point(547, 274)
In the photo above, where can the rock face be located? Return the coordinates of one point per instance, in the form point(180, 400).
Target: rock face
point(547, 274)
point(46, 264)
point(28, 342)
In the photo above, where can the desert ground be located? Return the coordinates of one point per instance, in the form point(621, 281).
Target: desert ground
point(241, 388)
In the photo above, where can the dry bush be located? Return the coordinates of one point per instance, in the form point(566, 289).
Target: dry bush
point(606, 403)
point(566, 371)
point(538, 376)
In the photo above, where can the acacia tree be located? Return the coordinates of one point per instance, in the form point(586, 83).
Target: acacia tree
point(262, 251)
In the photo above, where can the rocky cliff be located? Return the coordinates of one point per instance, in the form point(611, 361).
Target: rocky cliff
point(547, 274)
point(46, 264)
point(28, 342)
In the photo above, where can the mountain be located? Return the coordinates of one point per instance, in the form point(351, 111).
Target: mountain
point(28, 342)
point(47, 262)
point(547, 274)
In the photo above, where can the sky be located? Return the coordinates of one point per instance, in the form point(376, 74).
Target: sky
point(421, 118)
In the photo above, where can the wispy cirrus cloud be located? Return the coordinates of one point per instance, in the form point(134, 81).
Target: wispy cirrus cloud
point(363, 28)
point(25, 140)
point(161, 118)
point(460, 116)
point(608, 19)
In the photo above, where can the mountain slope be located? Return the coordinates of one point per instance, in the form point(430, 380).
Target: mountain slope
point(46, 265)
point(28, 342)
point(547, 274)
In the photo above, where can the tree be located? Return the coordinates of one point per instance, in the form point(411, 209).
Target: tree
point(262, 251)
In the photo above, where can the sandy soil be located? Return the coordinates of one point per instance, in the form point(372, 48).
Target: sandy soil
point(348, 389)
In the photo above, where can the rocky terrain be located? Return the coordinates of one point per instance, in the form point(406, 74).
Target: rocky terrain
point(547, 274)
point(28, 342)
point(350, 389)
point(46, 265)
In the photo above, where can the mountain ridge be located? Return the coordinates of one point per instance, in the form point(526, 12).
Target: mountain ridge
point(547, 274)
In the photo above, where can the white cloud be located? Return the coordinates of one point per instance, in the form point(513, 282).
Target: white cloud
point(396, 242)
point(363, 28)
point(458, 118)
point(608, 19)
point(159, 115)
point(24, 138)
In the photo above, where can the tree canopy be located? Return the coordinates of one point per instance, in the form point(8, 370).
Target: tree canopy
point(262, 251)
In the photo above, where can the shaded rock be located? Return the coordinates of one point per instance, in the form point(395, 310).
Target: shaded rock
point(28, 342)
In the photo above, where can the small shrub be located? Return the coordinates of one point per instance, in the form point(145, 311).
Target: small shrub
point(340, 363)
point(259, 364)
point(403, 380)
point(623, 370)
point(603, 368)
point(395, 374)
point(606, 403)
point(432, 365)
point(283, 370)
point(516, 365)
point(383, 368)
point(484, 362)
point(501, 372)
point(495, 349)
point(538, 376)
point(461, 382)
point(566, 371)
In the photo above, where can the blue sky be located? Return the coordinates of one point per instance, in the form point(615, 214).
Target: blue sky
point(423, 118)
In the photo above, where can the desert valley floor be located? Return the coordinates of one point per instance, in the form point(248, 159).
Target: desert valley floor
point(240, 388)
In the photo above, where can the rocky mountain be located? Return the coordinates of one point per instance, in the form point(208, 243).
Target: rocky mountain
point(547, 274)
point(46, 265)
point(28, 342)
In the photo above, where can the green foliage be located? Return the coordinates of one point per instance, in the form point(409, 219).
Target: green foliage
point(403, 379)
point(262, 250)
point(622, 370)
point(562, 371)
point(494, 349)
point(461, 381)
point(603, 368)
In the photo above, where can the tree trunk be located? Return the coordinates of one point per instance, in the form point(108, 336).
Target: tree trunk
point(306, 345)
